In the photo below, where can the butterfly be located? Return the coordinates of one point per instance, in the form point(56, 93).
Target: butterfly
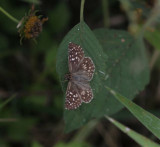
point(81, 71)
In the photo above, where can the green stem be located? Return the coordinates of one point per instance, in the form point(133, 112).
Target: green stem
point(85, 131)
point(154, 58)
point(82, 10)
point(153, 16)
point(8, 15)
point(105, 13)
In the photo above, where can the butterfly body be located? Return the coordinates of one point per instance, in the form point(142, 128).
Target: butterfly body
point(81, 70)
point(80, 77)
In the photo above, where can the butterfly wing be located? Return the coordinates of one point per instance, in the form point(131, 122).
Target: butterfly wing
point(73, 99)
point(85, 92)
point(75, 56)
point(87, 67)
point(82, 70)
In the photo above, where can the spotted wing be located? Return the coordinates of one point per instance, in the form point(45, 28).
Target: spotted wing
point(73, 99)
point(85, 92)
point(87, 67)
point(75, 55)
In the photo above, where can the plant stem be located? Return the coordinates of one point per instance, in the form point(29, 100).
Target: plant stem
point(133, 26)
point(82, 10)
point(153, 16)
point(85, 131)
point(8, 15)
point(105, 13)
point(154, 58)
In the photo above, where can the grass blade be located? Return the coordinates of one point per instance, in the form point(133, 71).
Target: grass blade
point(150, 121)
point(140, 139)
point(7, 101)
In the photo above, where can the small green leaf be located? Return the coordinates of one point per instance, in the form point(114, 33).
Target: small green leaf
point(141, 140)
point(147, 119)
point(83, 36)
point(153, 38)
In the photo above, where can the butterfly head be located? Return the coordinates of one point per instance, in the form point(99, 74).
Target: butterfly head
point(68, 77)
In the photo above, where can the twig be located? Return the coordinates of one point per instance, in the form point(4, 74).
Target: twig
point(8, 15)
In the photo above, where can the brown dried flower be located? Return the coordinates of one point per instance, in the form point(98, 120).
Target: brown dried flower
point(31, 25)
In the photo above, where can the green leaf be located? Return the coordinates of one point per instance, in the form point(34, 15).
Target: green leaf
point(141, 140)
point(127, 68)
point(147, 119)
point(153, 37)
point(82, 35)
point(72, 144)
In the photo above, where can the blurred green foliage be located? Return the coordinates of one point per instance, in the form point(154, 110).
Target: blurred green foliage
point(29, 70)
point(73, 144)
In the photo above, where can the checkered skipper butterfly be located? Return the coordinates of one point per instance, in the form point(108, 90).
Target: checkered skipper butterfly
point(81, 71)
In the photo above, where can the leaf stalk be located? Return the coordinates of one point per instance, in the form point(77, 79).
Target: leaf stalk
point(82, 10)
